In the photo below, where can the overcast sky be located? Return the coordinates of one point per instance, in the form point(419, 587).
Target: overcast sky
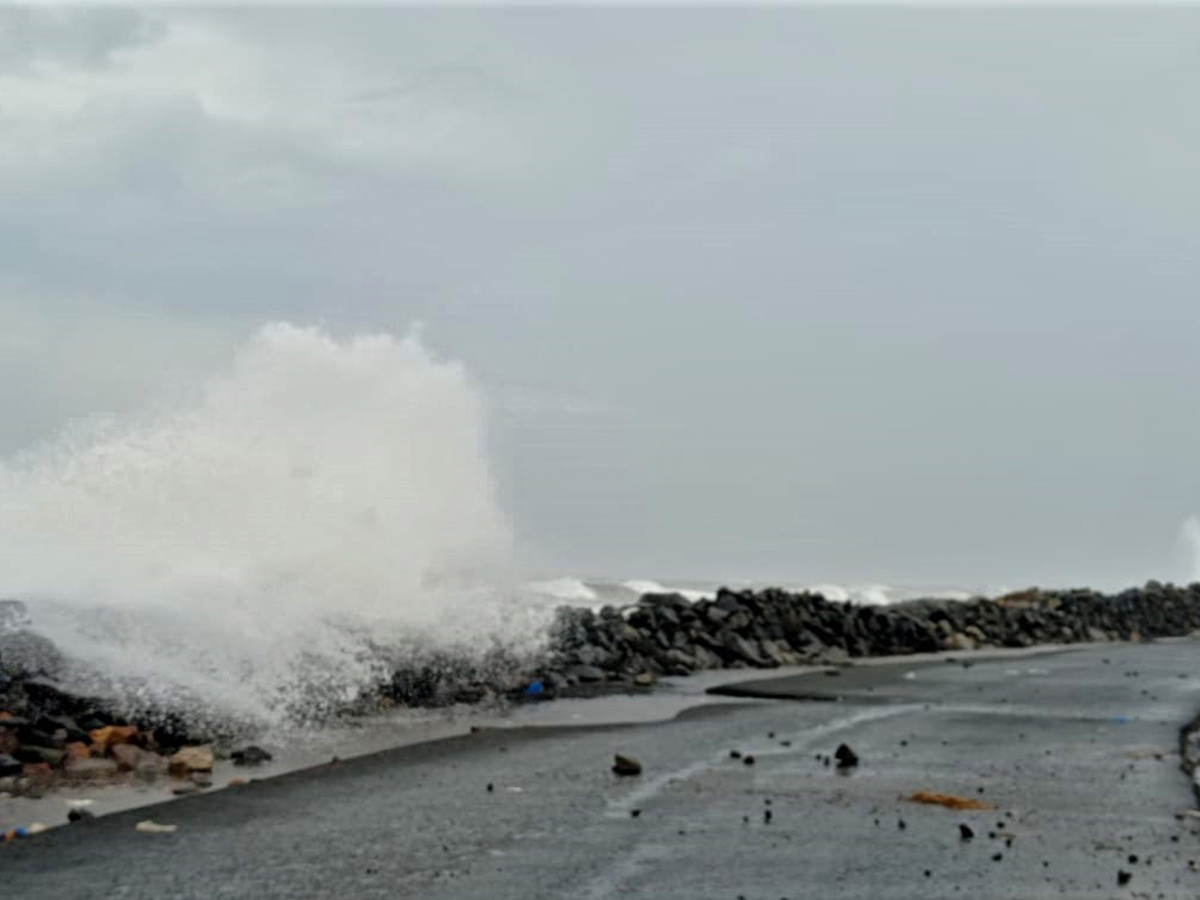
point(801, 294)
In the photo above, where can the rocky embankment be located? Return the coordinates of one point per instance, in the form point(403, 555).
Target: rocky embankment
point(665, 634)
point(49, 734)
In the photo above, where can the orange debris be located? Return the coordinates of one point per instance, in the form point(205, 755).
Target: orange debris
point(111, 735)
point(950, 801)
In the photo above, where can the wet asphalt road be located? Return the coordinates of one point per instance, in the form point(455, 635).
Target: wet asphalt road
point(1064, 744)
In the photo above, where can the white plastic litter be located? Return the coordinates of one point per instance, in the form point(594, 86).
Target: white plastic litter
point(146, 826)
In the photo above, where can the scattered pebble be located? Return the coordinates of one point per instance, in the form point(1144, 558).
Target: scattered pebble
point(626, 766)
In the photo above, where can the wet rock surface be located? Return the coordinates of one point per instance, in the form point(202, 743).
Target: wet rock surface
point(666, 634)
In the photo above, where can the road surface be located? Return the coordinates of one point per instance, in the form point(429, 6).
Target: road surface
point(1076, 749)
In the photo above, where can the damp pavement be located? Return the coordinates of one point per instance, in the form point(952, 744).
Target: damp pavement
point(1077, 750)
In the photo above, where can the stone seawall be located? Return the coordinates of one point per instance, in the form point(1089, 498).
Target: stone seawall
point(666, 634)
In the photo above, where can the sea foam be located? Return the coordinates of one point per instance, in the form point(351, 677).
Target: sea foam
point(270, 545)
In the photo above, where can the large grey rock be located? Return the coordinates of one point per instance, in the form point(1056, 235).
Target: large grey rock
point(681, 663)
point(746, 651)
point(588, 674)
point(771, 652)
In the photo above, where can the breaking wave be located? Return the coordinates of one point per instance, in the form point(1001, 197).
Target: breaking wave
point(884, 594)
point(567, 589)
point(319, 508)
point(640, 586)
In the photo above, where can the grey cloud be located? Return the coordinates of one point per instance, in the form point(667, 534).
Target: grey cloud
point(858, 294)
point(89, 38)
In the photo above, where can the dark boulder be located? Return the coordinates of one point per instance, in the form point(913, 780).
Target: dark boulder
point(846, 758)
point(626, 766)
point(250, 756)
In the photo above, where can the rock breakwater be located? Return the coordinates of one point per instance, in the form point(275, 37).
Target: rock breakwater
point(667, 634)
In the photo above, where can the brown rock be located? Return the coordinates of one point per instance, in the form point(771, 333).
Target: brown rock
point(37, 770)
point(112, 735)
point(78, 750)
point(237, 782)
point(127, 757)
point(192, 759)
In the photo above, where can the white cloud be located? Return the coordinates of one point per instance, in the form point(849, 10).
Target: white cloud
point(201, 108)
